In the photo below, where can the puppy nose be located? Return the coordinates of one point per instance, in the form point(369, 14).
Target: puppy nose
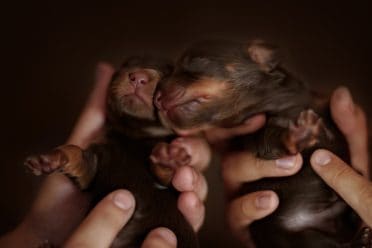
point(138, 79)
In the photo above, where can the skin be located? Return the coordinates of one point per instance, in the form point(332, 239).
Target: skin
point(59, 195)
point(354, 188)
point(106, 220)
point(241, 212)
point(185, 106)
point(188, 180)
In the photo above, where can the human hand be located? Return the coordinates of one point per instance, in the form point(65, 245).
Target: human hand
point(59, 205)
point(63, 204)
point(355, 189)
point(242, 167)
point(218, 136)
point(181, 163)
point(187, 180)
point(243, 211)
point(108, 217)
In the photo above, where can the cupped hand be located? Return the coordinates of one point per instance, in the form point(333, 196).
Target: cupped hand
point(350, 182)
point(59, 206)
point(355, 189)
point(242, 167)
point(188, 180)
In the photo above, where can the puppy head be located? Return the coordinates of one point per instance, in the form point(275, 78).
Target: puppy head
point(131, 93)
point(214, 83)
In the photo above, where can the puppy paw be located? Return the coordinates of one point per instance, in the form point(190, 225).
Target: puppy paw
point(170, 155)
point(304, 132)
point(46, 163)
point(166, 158)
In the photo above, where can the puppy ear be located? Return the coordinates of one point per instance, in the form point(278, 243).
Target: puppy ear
point(263, 54)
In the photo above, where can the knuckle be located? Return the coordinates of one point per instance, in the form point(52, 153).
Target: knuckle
point(365, 196)
point(261, 169)
point(239, 213)
point(246, 207)
point(242, 167)
point(340, 175)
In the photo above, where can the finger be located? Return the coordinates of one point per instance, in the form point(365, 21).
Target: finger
point(192, 208)
point(104, 221)
point(188, 179)
point(216, 135)
point(160, 238)
point(241, 167)
point(352, 122)
point(92, 118)
point(242, 211)
point(104, 72)
point(198, 149)
point(352, 187)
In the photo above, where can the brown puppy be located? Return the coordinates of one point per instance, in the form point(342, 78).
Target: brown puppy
point(123, 159)
point(221, 84)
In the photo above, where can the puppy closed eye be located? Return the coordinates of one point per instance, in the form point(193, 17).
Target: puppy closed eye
point(195, 103)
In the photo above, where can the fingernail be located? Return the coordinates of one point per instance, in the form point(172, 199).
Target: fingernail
point(123, 200)
point(167, 235)
point(286, 163)
point(321, 157)
point(344, 99)
point(263, 201)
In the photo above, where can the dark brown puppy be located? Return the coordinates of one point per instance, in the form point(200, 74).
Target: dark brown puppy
point(222, 84)
point(123, 159)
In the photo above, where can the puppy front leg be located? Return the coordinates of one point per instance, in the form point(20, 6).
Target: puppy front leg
point(71, 160)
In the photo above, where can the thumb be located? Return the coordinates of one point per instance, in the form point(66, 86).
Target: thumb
point(104, 222)
point(351, 186)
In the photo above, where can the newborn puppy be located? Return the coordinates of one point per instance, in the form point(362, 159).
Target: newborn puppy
point(123, 159)
point(223, 83)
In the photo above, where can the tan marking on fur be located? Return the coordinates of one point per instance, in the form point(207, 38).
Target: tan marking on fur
point(77, 167)
point(230, 67)
point(305, 132)
point(208, 86)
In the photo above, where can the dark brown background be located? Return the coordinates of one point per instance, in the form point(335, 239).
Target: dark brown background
point(51, 51)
